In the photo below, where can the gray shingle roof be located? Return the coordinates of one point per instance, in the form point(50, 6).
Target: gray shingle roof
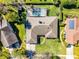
point(7, 37)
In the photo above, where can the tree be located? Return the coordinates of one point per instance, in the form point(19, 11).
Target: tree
point(69, 3)
point(3, 9)
point(20, 52)
point(4, 54)
point(77, 3)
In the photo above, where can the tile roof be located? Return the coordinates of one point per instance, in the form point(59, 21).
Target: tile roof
point(42, 26)
point(72, 35)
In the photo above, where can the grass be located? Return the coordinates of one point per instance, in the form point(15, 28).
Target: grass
point(11, 16)
point(4, 54)
point(21, 29)
point(71, 12)
point(51, 46)
point(43, 40)
point(76, 50)
point(38, 1)
point(6, 1)
point(19, 52)
point(53, 10)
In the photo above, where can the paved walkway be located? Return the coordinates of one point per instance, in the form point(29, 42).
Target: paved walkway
point(30, 47)
point(11, 50)
point(69, 52)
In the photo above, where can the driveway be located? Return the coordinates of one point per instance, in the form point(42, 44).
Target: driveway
point(69, 52)
point(11, 50)
point(30, 47)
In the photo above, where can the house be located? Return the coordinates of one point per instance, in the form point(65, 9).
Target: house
point(37, 27)
point(40, 25)
point(36, 12)
point(72, 30)
point(8, 37)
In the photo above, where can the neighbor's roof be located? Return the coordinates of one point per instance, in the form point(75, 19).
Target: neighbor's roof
point(72, 34)
point(10, 37)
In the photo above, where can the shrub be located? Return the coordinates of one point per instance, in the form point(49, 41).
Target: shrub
point(69, 3)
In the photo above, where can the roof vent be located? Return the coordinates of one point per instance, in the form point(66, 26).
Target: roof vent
point(40, 22)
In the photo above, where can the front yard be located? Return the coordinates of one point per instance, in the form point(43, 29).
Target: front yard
point(51, 46)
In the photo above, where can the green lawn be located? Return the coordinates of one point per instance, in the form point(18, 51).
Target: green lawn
point(21, 29)
point(4, 54)
point(53, 10)
point(76, 50)
point(51, 46)
point(6, 1)
point(38, 1)
point(72, 12)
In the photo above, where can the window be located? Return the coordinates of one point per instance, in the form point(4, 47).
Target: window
point(71, 24)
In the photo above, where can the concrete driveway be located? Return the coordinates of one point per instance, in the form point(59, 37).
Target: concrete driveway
point(69, 52)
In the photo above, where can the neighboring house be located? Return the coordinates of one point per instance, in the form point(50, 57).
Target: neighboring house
point(8, 37)
point(37, 27)
point(72, 30)
point(36, 12)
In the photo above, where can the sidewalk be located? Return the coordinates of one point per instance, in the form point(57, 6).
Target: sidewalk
point(30, 47)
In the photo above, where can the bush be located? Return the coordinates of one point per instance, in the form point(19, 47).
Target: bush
point(69, 3)
point(4, 54)
point(53, 11)
point(77, 4)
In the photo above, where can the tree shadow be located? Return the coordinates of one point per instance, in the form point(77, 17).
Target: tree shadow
point(69, 6)
point(55, 57)
point(58, 31)
point(29, 53)
point(1, 46)
point(28, 25)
